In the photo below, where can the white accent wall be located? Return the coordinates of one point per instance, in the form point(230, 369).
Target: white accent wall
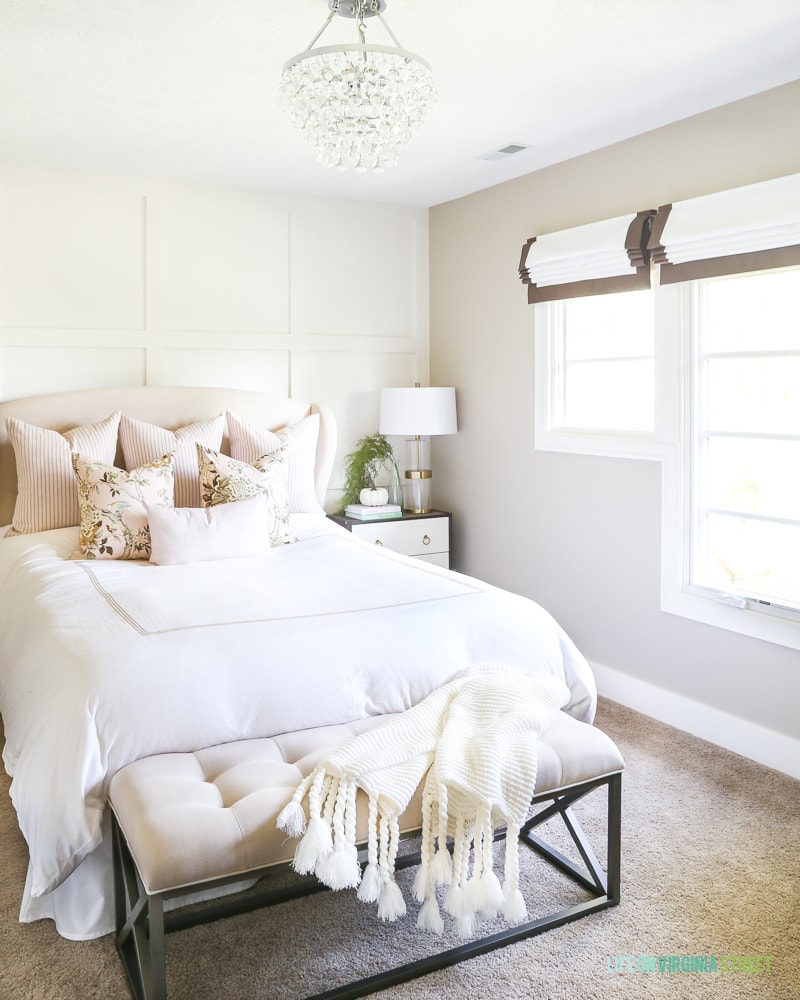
point(121, 281)
point(580, 534)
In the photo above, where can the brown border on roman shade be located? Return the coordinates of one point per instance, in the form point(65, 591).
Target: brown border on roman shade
point(713, 267)
point(636, 241)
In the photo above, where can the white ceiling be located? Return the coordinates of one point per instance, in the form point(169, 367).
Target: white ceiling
point(187, 88)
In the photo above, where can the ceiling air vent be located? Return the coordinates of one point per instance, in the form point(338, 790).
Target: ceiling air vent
point(510, 149)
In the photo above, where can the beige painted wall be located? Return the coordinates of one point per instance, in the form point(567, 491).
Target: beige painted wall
point(581, 535)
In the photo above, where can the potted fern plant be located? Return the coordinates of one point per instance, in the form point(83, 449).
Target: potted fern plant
point(363, 465)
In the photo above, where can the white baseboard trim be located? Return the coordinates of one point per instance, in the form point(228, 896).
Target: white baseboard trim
point(765, 746)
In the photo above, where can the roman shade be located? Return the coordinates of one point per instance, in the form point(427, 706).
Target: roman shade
point(601, 257)
point(730, 232)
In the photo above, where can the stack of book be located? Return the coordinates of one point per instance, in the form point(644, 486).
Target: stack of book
point(379, 512)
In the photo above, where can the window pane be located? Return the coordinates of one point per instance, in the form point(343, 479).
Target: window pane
point(757, 477)
point(760, 395)
point(754, 556)
point(754, 312)
point(609, 326)
point(749, 420)
point(609, 395)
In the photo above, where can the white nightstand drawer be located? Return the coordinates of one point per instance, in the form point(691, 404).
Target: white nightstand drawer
point(425, 537)
point(414, 537)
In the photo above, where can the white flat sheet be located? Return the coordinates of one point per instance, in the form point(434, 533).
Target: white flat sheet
point(104, 662)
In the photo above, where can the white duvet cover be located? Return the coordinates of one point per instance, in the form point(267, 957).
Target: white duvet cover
point(103, 662)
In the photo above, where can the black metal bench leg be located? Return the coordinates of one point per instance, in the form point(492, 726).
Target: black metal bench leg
point(139, 922)
point(614, 861)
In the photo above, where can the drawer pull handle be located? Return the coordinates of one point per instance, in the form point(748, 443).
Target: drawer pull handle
point(426, 539)
point(378, 541)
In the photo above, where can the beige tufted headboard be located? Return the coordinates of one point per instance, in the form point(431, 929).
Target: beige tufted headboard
point(167, 406)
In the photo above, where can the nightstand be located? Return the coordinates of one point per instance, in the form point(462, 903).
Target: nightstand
point(424, 536)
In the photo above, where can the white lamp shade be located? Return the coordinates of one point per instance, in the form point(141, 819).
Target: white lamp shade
point(420, 411)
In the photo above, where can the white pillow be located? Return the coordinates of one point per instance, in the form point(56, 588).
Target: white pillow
point(199, 534)
point(112, 501)
point(46, 495)
point(143, 443)
point(225, 480)
point(248, 443)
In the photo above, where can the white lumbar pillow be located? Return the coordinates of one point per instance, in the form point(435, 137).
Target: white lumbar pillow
point(199, 534)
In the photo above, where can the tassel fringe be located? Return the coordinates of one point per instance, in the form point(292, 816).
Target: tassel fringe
point(514, 909)
point(442, 867)
point(339, 870)
point(292, 819)
point(455, 902)
point(461, 805)
point(370, 888)
point(316, 844)
point(490, 898)
point(429, 918)
point(466, 924)
point(391, 904)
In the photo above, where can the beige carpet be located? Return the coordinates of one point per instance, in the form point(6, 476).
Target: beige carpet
point(711, 868)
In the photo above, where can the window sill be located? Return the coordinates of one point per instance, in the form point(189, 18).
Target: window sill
point(603, 443)
point(755, 622)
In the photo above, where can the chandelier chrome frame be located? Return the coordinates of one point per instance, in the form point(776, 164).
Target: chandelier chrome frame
point(357, 104)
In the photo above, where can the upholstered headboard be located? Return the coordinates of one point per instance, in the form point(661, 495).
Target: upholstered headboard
point(167, 406)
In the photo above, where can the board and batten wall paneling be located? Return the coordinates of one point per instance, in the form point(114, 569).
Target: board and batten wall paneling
point(33, 370)
point(71, 259)
point(123, 281)
point(348, 378)
point(363, 266)
point(217, 263)
point(239, 368)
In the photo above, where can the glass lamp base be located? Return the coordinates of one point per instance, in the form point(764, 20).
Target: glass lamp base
point(417, 491)
point(417, 486)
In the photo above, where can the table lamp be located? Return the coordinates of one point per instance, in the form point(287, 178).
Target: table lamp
point(420, 412)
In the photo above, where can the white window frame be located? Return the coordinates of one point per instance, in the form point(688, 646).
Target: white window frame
point(679, 596)
point(548, 400)
point(670, 444)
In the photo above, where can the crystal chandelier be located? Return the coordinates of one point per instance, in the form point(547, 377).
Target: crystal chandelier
point(357, 104)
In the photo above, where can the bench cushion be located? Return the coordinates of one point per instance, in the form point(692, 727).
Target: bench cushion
point(190, 818)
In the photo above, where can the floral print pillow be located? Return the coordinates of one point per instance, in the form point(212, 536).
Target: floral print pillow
point(112, 506)
point(226, 480)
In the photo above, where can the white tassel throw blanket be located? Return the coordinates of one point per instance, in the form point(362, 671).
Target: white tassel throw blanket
point(474, 744)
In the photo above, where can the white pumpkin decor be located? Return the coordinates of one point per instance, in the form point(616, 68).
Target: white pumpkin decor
point(362, 469)
point(374, 497)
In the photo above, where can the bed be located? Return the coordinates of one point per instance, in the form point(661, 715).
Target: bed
point(107, 660)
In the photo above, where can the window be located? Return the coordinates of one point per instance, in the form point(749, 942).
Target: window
point(595, 356)
point(701, 373)
point(607, 368)
point(703, 376)
point(745, 449)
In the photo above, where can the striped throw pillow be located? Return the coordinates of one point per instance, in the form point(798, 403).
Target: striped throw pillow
point(250, 443)
point(46, 493)
point(143, 443)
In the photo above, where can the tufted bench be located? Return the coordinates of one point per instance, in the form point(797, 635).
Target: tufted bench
point(184, 822)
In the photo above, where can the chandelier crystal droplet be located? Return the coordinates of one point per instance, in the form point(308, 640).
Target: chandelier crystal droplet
point(357, 104)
